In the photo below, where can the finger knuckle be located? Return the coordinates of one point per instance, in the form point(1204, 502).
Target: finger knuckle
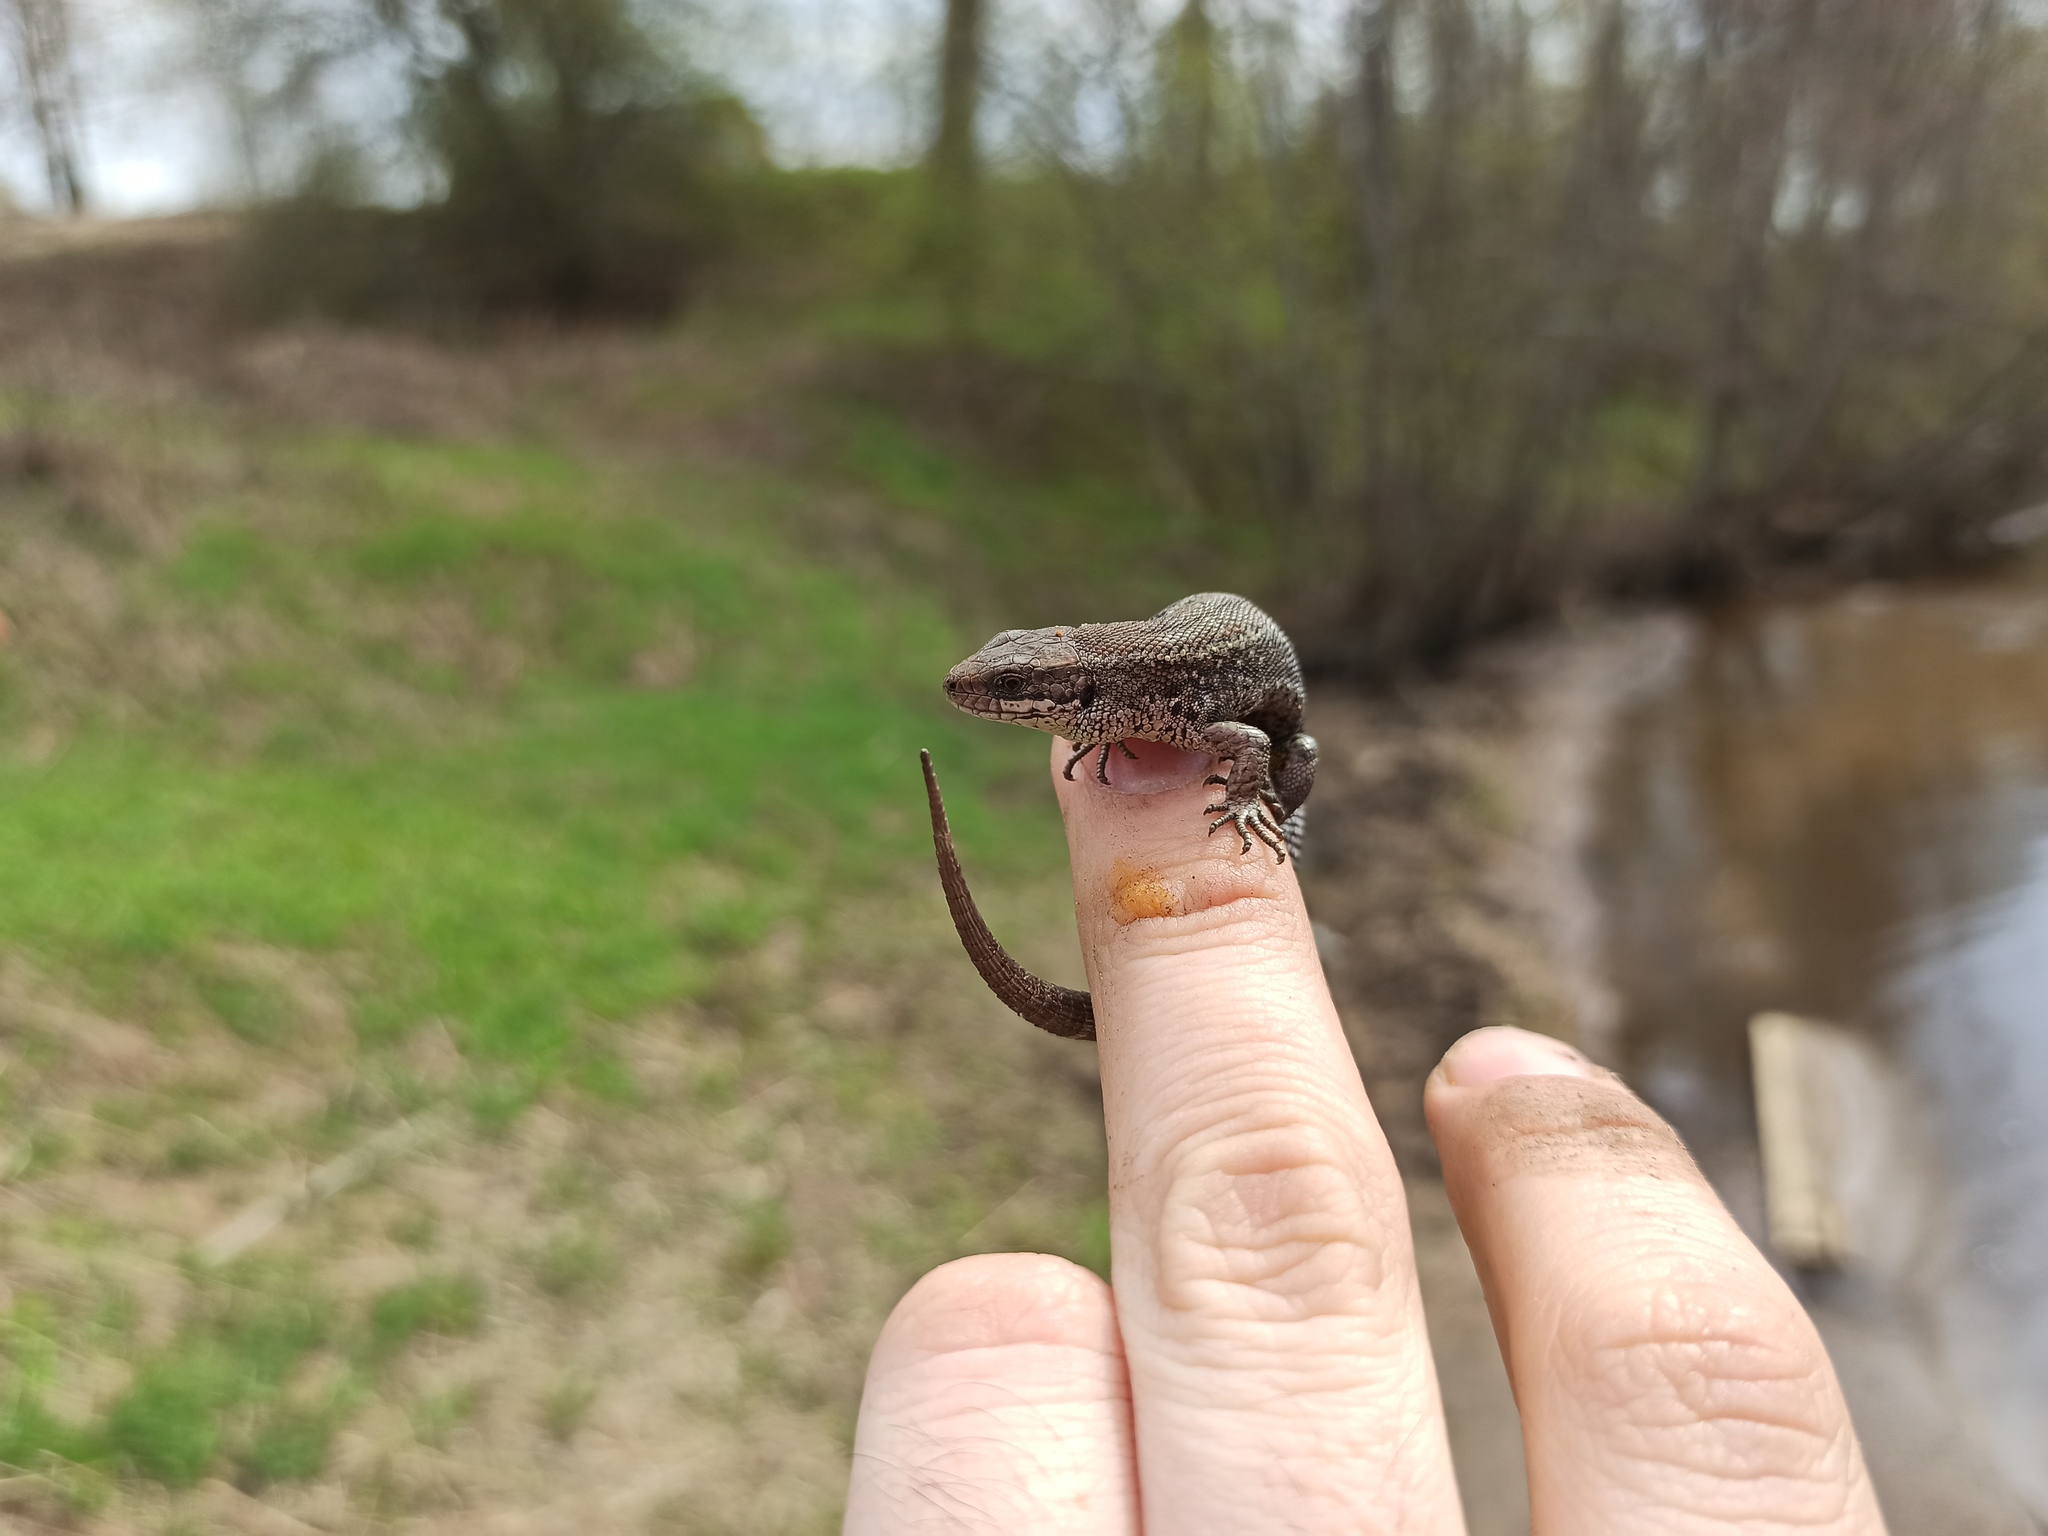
point(1265, 1219)
point(1715, 1396)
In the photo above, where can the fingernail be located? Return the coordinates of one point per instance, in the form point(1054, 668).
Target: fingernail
point(1492, 1055)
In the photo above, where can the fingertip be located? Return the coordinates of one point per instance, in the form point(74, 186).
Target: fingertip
point(999, 1301)
point(1665, 1374)
point(997, 1399)
point(1495, 1054)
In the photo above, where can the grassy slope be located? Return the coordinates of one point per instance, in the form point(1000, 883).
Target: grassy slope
point(584, 763)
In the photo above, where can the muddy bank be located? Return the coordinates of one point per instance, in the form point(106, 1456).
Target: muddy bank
point(1468, 838)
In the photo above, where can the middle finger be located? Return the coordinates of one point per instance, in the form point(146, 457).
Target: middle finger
point(1264, 1277)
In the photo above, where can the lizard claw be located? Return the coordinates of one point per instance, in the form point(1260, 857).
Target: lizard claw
point(1102, 762)
point(1251, 821)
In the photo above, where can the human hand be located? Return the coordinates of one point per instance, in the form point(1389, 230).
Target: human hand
point(1261, 1364)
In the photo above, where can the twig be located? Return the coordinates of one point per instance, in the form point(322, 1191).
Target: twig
point(256, 1221)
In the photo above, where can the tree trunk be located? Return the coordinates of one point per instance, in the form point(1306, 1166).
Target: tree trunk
point(953, 237)
point(1187, 88)
point(42, 41)
point(1375, 194)
point(1761, 53)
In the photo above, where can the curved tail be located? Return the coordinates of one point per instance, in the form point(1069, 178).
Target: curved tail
point(1057, 1010)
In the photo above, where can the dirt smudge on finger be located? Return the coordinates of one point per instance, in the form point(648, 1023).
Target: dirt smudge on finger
point(1590, 1129)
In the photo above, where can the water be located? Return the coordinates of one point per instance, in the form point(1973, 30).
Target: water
point(1842, 810)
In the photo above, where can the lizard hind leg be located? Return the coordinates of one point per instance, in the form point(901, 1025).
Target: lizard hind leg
point(1294, 771)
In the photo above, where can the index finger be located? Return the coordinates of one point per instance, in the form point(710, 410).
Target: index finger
point(1263, 1272)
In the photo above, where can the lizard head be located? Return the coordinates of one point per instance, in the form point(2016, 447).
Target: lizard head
point(1033, 677)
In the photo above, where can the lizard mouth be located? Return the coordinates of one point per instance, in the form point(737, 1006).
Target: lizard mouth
point(1005, 709)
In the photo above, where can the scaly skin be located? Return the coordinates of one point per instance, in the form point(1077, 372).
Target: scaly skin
point(1211, 673)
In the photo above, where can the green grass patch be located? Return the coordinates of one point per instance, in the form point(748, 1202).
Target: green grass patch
point(764, 1241)
point(580, 848)
point(450, 1305)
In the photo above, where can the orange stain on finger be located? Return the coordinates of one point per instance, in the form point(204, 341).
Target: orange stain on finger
point(1139, 893)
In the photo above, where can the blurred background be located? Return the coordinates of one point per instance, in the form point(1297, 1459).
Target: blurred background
point(488, 489)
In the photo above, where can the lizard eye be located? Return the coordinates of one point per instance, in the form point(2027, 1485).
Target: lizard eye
point(1007, 685)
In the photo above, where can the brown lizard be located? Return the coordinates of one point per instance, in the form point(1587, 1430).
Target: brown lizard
point(1211, 673)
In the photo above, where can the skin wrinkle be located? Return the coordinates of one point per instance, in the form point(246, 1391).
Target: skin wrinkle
point(1697, 1382)
point(1156, 897)
point(1254, 930)
point(1248, 1376)
point(1262, 1097)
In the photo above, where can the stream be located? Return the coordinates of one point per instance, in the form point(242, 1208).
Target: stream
point(1840, 809)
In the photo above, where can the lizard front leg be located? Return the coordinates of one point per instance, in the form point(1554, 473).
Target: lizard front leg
point(1250, 751)
point(1101, 762)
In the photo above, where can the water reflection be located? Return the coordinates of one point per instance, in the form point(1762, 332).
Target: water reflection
point(1842, 810)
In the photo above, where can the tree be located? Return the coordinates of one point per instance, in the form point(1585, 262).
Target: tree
point(40, 37)
point(953, 234)
point(1188, 87)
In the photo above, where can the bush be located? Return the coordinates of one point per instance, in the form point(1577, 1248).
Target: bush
point(578, 171)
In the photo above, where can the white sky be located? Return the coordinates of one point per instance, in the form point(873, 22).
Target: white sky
point(833, 81)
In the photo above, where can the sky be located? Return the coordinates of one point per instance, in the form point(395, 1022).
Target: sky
point(833, 82)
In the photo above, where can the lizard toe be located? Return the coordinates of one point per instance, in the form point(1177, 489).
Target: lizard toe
point(1251, 821)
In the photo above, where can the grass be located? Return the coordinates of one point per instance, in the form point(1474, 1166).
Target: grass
point(214, 1390)
point(516, 746)
point(450, 1305)
point(543, 861)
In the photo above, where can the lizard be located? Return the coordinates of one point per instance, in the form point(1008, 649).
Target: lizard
point(1210, 673)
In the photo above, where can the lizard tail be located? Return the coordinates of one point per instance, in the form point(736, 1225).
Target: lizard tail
point(1058, 1010)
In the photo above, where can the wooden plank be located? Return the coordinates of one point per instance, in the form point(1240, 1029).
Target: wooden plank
point(1798, 1066)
